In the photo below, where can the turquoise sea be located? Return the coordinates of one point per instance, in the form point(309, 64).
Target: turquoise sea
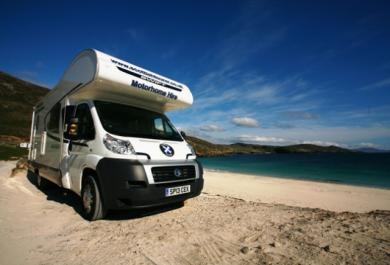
point(372, 170)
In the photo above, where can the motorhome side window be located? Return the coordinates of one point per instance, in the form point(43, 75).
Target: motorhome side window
point(37, 122)
point(52, 121)
point(86, 127)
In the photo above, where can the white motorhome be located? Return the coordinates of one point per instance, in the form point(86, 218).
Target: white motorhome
point(102, 133)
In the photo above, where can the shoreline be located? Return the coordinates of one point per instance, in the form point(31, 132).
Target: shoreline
point(338, 197)
point(284, 177)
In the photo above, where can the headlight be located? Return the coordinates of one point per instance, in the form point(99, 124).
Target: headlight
point(118, 146)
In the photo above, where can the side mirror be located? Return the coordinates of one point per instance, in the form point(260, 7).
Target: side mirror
point(72, 131)
point(183, 134)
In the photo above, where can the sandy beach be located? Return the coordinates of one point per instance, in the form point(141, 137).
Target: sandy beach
point(239, 219)
point(328, 196)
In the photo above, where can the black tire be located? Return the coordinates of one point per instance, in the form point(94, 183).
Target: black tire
point(41, 183)
point(93, 208)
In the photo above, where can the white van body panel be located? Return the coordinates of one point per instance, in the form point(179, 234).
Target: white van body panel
point(79, 163)
point(95, 75)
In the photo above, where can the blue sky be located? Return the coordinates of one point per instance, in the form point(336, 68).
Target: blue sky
point(267, 72)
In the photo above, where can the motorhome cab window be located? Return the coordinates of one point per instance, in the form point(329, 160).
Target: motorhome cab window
point(130, 121)
point(86, 127)
point(52, 121)
point(67, 114)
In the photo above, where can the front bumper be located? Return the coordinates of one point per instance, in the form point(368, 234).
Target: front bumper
point(124, 185)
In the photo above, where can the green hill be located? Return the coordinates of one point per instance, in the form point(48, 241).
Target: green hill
point(204, 148)
point(17, 98)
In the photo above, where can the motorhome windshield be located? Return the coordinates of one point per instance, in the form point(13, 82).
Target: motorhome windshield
point(130, 121)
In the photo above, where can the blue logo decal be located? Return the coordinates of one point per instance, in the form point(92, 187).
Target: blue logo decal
point(177, 172)
point(167, 149)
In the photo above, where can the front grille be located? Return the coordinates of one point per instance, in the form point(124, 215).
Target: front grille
point(163, 174)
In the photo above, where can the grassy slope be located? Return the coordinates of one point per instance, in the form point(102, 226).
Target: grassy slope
point(17, 98)
point(12, 152)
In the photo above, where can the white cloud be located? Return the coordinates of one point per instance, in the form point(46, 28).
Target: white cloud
point(257, 139)
point(270, 140)
point(211, 128)
point(368, 144)
point(245, 121)
point(379, 84)
point(324, 143)
point(215, 100)
point(250, 89)
point(347, 137)
point(263, 93)
point(339, 136)
point(299, 115)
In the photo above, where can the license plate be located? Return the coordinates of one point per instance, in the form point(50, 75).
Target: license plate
point(177, 190)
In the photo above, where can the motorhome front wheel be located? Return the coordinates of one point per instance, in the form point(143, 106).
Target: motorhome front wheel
point(92, 203)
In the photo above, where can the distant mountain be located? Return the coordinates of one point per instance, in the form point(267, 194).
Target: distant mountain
point(204, 148)
point(17, 98)
point(371, 150)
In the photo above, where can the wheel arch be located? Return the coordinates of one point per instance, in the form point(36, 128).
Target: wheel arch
point(88, 171)
point(89, 166)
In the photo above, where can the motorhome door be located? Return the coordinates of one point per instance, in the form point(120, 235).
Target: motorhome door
point(79, 148)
